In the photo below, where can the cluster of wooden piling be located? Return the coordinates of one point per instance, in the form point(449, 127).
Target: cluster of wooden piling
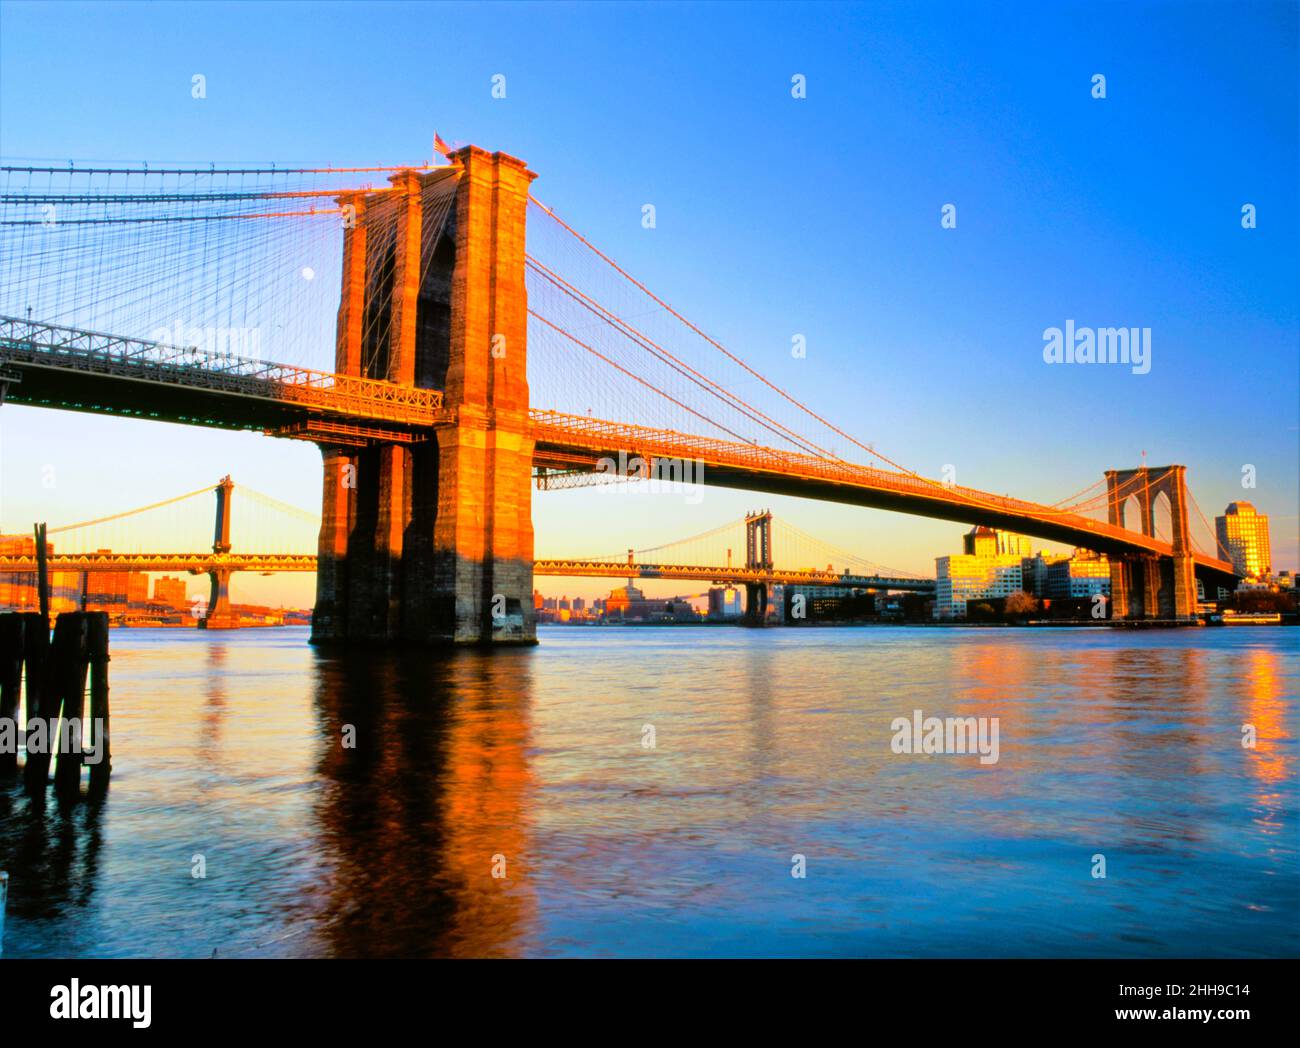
point(56, 673)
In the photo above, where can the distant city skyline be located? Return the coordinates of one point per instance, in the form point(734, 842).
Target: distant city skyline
point(1247, 537)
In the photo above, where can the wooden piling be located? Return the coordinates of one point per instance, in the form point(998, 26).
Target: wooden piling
point(42, 574)
point(70, 665)
point(23, 643)
point(13, 655)
point(36, 657)
point(79, 650)
point(99, 702)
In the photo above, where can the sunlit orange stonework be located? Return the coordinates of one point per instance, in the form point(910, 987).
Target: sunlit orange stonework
point(433, 541)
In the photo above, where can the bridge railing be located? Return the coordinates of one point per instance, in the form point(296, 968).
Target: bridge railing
point(48, 345)
point(792, 576)
point(194, 563)
point(602, 435)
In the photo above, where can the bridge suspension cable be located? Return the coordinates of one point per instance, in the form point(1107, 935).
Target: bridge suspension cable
point(260, 524)
point(130, 512)
point(787, 535)
point(676, 363)
point(678, 545)
point(71, 168)
point(295, 512)
point(204, 256)
point(178, 254)
point(725, 546)
point(735, 359)
point(631, 374)
point(606, 331)
point(1215, 544)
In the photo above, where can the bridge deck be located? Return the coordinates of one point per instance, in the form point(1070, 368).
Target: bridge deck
point(193, 563)
point(201, 563)
point(754, 467)
point(88, 371)
point(80, 370)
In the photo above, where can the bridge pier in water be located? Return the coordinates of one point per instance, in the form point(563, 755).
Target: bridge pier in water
point(758, 556)
point(431, 541)
point(219, 615)
point(1148, 585)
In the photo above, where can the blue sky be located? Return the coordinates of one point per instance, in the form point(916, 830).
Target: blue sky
point(774, 215)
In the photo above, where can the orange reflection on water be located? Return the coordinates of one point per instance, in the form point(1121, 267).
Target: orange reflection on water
point(487, 787)
point(1268, 762)
point(437, 786)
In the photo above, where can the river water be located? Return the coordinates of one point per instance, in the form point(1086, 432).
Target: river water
point(649, 791)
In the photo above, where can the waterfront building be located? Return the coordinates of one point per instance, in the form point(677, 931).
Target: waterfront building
point(625, 602)
point(992, 565)
point(1033, 571)
point(1085, 574)
point(1243, 538)
point(137, 588)
point(980, 542)
point(170, 591)
point(990, 542)
point(18, 590)
point(724, 603)
point(630, 604)
point(831, 602)
point(961, 578)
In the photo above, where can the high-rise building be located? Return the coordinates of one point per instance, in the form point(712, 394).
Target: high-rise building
point(1243, 539)
point(1085, 574)
point(171, 592)
point(988, 542)
point(980, 542)
point(961, 578)
point(137, 588)
point(630, 604)
point(981, 572)
point(724, 603)
point(993, 565)
point(18, 590)
point(105, 589)
point(1033, 571)
point(1011, 544)
point(626, 602)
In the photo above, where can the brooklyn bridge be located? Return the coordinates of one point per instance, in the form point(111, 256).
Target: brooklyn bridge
point(481, 347)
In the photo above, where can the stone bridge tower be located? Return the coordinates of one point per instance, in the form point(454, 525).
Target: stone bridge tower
point(431, 542)
point(758, 554)
point(1148, 585)
point(220, 616)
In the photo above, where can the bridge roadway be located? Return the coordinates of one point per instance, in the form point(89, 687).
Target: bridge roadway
point(203, 563)
point(735, 576)
point(193, 563)
point(574, 443)
point(51, 366)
